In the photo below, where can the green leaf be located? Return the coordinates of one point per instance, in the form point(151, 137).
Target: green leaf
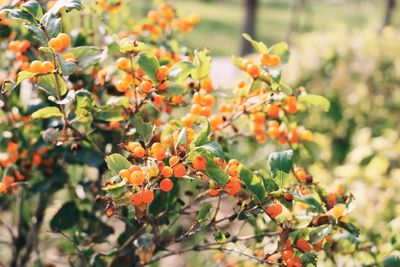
point(282, 50)
point(117, 190)
point(66, 217)
point(201, 137)
point(311, 202)
point(179, 71)
point(18, 14)
point(258, 46)
point(270, 185)
point(84, 102)
point(144, 129)
point(350, 227)
point(319, 233)
point(391, 261)
point(253, 183)
point(220, 237)
point(49, 84)
point(213, 147)
point(216, 173)
point(203, 212)
point(285, 88)
point(116, 163)
point(237, 61)
point(149, 64)
point(47, 112)
point(86, 55)
point(33, 8)
point(280, 164)
point(23, 75)
point(62, 5)
point(109, 113)
point(131, 46)
point(174, 89)
point(66, 100)
point(202, 64)
point(308, 258)
point(314, 100)
point(182, 138)
point(53, 26)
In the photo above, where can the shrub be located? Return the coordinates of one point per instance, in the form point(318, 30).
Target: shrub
point(135, 132)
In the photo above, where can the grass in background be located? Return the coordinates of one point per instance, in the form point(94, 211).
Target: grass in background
point(221, 24)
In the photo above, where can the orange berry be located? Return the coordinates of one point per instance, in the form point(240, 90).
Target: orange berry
point(195, 109)
point(158, 100)
point(147, 196)
point(245, 64)
point(137, 178)
point(206, 84)
point(122, 63)
point(56, 44)
point(261, 138)
point(253, 70)
point(69, 57)
point(291, 105)
point(274, 210)
point(166, 185)
point(287, 254)
point(215, 121)
point(24, 45)
point(12, 147)
point(134, 168)
point(205, 111)
point(133, 145)
point(121, 86)
point(173, 160)
point(126, 174)
point(232, 187)
point(208, 100)
point(14, 46)
point(36, 160)
point(272, 110)
point(146, 86)
point(233, 170)
point(288, 196)
point(179, 170)
point(188, 120)
point(199, 163)
point(265, 59)
point(163, 86)
point(46, 67)
point(65, 40)
point(337, 211)
point(35, 66)
point(139, 72)
point(167, 171)
point(177, 99)
point(213, 192)
point(303, 245)
point(300, 173)
point(162, 73)
point(273, 132)
point(274, 61)
point(109, 212)
point(139, 152)
point(136, 199)
point(306, 135)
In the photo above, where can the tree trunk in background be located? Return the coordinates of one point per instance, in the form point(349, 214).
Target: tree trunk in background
point(390, 4)
point(249, 25)
point(294, 18)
